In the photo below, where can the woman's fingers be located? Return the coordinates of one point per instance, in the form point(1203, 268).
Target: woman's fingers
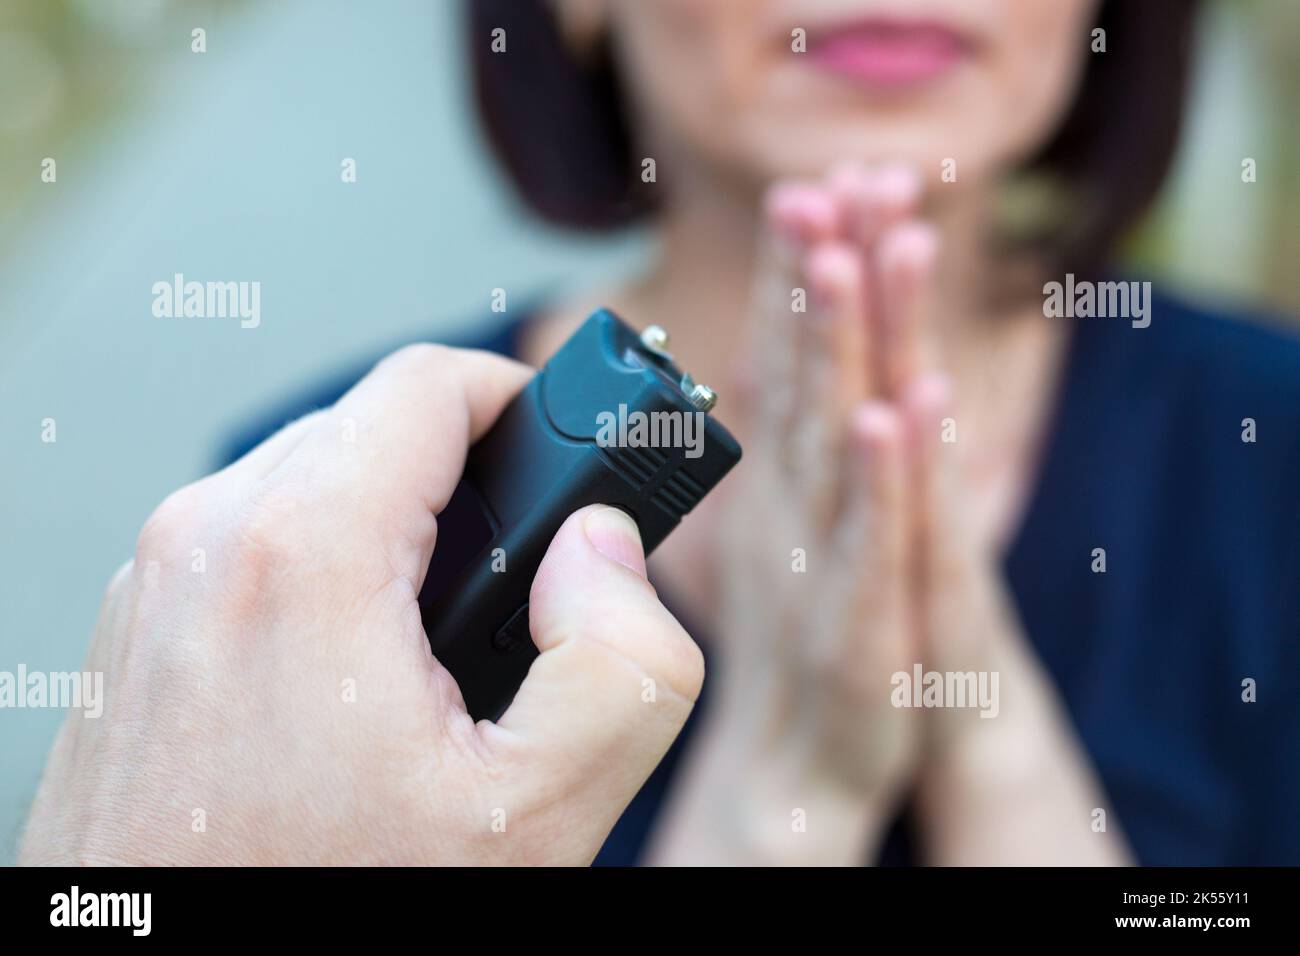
point(946, 565)
point(876, 637)
point(838, 331)
point(872, 200)
point(963, 613)
point(802, 213)
point(797, 215)
point(832, 379)
point(841, 319)
point(877, 210)
point(904, 267)
point(871, 540)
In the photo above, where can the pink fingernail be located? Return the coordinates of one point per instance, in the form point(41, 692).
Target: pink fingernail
point(876, 422)
point(831, 268)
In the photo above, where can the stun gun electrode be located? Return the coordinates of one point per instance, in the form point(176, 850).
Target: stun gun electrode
point(563, 443)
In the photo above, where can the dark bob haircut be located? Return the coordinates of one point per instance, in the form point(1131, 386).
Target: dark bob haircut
point(561, 130)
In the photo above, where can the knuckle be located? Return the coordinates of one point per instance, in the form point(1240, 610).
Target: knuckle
point(117, 583)
point(669, 655)
point(171, 525)
point(647, 639)
point(267, 533)
point(252, 552)
point(685, 672)
point(116, 594)
point(421, 358)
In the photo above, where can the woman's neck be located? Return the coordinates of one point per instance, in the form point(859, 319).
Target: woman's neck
point(699, 286)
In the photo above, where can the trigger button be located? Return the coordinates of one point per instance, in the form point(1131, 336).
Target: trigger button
point(514, 633)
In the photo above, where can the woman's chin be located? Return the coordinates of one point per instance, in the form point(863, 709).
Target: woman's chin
point(789, 153)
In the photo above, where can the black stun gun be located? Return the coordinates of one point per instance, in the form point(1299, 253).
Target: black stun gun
point(611, 420)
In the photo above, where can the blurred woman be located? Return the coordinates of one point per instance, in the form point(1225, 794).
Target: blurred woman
point(937, 472)
point(868, 216)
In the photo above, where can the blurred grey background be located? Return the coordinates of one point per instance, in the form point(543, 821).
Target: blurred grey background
point(225, 165)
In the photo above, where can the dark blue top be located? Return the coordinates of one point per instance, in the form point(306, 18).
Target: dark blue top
point(1201, 591)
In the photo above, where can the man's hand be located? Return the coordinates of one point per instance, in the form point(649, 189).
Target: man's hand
point(274, 700)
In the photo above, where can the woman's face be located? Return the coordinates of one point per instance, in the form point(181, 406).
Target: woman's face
point(980, 82)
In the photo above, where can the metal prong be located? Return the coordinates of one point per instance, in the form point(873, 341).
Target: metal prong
point(655, 338)
point(703, 398)
point(698, 394)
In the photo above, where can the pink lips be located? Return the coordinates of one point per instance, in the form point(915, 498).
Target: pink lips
point(886, 53)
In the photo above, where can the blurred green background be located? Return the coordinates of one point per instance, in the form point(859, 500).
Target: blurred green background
point(225, 165)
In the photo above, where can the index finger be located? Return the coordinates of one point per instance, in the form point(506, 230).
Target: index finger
point(394, 446)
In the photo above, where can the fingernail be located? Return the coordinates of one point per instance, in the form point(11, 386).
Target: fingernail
point(897, 185)
point(936, 388)
point(930, 395)
point(796, 213)
point(831, 268)
point(614, 534)
point(912, 245)
point(876, 422)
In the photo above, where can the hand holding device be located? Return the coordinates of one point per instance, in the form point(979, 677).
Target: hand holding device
point(281, 705)
point(609, 419)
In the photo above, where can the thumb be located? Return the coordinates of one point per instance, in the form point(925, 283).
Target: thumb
point(617, 675)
